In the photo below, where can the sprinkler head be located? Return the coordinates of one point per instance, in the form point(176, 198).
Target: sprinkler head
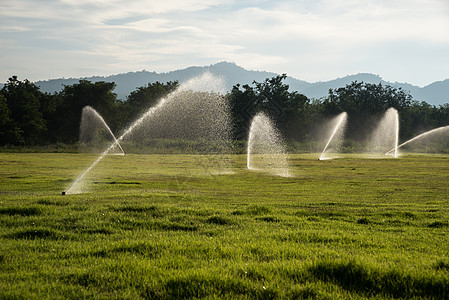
point(63, 193)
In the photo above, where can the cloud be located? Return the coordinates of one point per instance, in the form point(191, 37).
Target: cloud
point(334, 37)
point(312, 40)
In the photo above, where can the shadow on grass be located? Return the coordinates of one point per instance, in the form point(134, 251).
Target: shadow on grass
point(442, 266)
point(142, 249)
point(363, 221)
point(268, 219)
point(177, 227)
point(116, 182)
point(103, 231)
point(196, 286)
point(21, 211)
point(371, 282)
point(218, 220)
point(84, 279)
point(50, 202)
point(438, 224)
point(253, 210)
point(33, 234)
point(185, 287)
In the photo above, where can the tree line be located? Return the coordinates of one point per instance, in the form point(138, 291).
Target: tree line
point(30, 117)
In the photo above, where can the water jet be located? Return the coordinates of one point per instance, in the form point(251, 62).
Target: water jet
point(338, 126)
point(95, 133)
point(266, 149)
point(195, 110)
point(386, 134)
point(422, 136)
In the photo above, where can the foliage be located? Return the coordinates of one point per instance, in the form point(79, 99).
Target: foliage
point(29, 117)
point(287, 109)
point(9, 131)
point(147, 96)
point(98, 95)
point(364, 103)
point(23, 122)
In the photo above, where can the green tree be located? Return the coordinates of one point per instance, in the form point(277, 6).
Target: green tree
point(287, 109)
point(243, 105)
point(49, 107)
point(442, 115)
point(364, 102)
point(25, 115)
point(9, 132)
point(75, 97)
point(147, 96)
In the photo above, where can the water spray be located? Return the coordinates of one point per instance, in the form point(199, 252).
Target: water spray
point(422, 135)
point(264, 137)
point(339, 128)
point(206, 83)
point(386, 133)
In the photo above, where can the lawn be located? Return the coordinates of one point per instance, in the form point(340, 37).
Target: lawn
point(177, 226)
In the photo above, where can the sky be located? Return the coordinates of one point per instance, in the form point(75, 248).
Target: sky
point(312, 40)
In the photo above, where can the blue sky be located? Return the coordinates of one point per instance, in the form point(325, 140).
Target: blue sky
point(312, 40)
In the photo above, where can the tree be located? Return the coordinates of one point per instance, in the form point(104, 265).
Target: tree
point(243, 105)
point(24, 110)
point(287, 109)
point(442, 115)
point(75, 97)
point(364, 102)
point(9, 132)
point(147, 96)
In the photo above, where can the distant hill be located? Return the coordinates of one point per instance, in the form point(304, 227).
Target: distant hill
point(436, 93)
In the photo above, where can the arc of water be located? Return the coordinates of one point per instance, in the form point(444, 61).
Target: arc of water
point(147, 114)
point(189, 85)
point(419, 136)
point(396, 141)
point(92, 110)
point(248, 151)
point(263, 129)
point(337, 127)
point(387, 132)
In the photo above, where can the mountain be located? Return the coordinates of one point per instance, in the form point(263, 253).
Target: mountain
point(128, 82)
point(436, 93)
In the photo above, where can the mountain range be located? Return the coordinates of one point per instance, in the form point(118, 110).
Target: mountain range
point(436, 93)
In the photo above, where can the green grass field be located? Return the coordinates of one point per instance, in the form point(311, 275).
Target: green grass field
point(171, 227)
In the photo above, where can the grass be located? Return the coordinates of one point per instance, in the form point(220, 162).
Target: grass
point(171, 227)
